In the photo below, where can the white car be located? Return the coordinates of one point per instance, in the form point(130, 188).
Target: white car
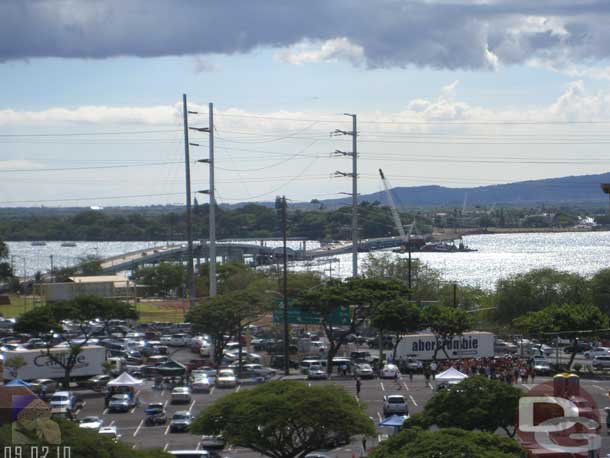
point(179, 340)
point(395, 404)
point(364, 370)
point(94, 423)
point(209, 372)
point(165, 340)
point(181, 394)
point(189, 453)
point(201, 383)
point(597, 351)
point(110, 432)
point(206, 348)
point(226, 379)
point(389, 371)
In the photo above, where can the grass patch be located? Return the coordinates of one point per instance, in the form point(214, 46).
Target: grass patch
point(19, 304)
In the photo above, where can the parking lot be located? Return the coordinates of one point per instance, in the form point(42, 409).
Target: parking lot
point(132, 430)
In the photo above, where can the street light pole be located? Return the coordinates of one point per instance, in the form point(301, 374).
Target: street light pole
point(285, 287)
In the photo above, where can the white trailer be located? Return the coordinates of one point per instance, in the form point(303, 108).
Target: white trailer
point(37, 365)
point(468, 345)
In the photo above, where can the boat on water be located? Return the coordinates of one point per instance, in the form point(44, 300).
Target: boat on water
point(445, 247)
point(38, 243)
point(68, 244)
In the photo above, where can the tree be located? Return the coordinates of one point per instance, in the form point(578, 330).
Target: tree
point(417, 443)
point(397, 316)
point(476, 403)
point(14, 364)
point(425, 281)
point(361, 295)
point(162, 279)
point(226, 316)
point(535, 290)
point(567, 320)
point(81, 312)
point(89, 265)
point(6, 271)
point(285, 419)
point(600, 290)
point(445, 323)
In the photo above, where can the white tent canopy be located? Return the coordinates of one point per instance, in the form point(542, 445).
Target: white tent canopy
point(125, 380)
point(450, 375)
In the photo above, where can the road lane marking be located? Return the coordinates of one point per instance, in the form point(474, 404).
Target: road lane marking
point(599, 387)
point(105, 411)
point(413, 400)
point(165, 448)
point(133, 410)
point(212, 390)
point(382, 387)
point(198, 445)
point(192, 404)
point(138, 428)
point(525, 386)
point(166, 431)
point(165, 404)
point(379, 416)
point(162, 393)
point(430, 385)
point(133, 446)
point(405, 385)
point(237, 389)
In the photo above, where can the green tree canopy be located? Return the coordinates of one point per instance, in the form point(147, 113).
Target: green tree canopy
point(445, 323)
point(450, 443)
point(397, 316)
point(161, 279)
point(567, 320)
point(477, 403)
point(600, 290)
point(362, 295)
point(535, 290)
point(285, 419)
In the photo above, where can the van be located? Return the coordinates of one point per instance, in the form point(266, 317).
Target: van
point(307, 363)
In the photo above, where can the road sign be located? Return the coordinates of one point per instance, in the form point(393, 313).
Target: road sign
point(339, 317)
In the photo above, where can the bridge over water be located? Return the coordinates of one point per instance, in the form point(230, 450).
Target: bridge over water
point(246, 251)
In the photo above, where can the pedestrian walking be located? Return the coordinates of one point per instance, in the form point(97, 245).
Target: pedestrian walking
point(433, 368)
point(410, 374)
point(358, 386)
point(364, 445)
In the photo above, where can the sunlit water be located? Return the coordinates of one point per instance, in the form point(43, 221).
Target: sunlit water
point(498, 256)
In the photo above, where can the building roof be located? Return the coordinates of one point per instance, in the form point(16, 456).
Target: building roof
point(100, 279)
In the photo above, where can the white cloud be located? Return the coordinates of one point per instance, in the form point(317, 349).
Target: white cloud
point(333, 50)
point(19, 165)
point(203, 65)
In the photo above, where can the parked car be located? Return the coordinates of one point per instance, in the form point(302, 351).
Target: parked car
point(155, 414)
point(181, 421)
point(259, 370)
point(541, 366)
point(395, 404)
point(189, 453)
point(212, 442)
point(389, 371)
point(96, 383)
point(179, 340)
point(226, 379)
point(580, 347)
point(94, 423)
point(316, 372)
point(201, 383)
point(597, 351)
point(66, 400)
point(601, 362)
point(50, 386)
point(165, 340)
point(181, 394)
point(110, 432)
point(364, 370)
point(209, 372)
point(121, 403)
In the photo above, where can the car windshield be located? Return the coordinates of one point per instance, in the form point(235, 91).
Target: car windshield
point(120, 397)
point(60, 398)
point(396, 400)
point(90, 420)
point(180, 416)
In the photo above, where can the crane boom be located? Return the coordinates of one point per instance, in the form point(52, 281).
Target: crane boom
point(395, 215)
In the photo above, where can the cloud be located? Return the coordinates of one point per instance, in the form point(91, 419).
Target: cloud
point(574, 104)
point(19, 164)
point(203, 65)
point(461, 34)
point(328, 51)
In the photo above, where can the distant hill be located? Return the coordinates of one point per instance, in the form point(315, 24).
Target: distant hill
point(571, 189)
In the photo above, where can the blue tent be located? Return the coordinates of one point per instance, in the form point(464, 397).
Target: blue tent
point(18, 382)
point(395, 421)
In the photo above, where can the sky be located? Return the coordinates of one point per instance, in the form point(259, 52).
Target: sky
point(455, 93)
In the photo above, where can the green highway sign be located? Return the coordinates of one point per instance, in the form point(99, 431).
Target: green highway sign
point(339, 317)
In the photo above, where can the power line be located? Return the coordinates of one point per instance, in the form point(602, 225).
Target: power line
point(81, 134)
point(63, 169)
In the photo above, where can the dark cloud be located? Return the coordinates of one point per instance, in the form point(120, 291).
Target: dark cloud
point(392, 33)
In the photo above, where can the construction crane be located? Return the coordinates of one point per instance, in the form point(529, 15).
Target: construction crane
point(395, 215)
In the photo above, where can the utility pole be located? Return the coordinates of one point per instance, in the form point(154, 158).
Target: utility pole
point(52, 270)
point(190, 275)
point(354, 176)
point(285, 286)
point(455, 295)
point(409, 274)
point(212, 193)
